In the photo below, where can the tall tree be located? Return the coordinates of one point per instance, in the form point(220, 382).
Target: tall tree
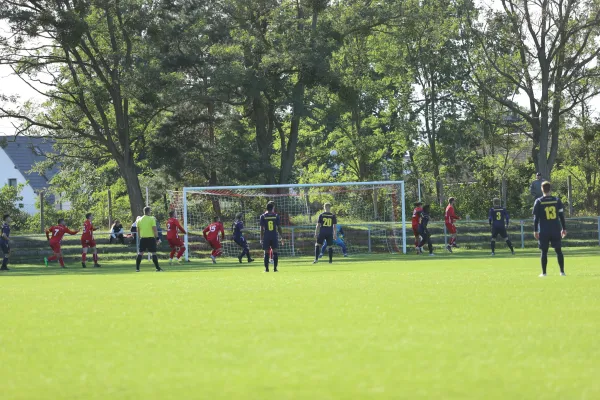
point(553, 64)
point(88, 58)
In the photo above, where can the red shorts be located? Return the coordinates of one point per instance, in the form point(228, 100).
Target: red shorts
point(451, 228)
point(175, 242)
point(88, 243)
point(416, 231)
point(55, 246)
point(215, 244)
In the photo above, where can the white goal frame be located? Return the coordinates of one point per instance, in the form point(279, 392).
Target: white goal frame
point(187, 190)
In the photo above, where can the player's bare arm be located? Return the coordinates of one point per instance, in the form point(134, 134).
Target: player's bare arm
point(317, 228)
point(280, 234)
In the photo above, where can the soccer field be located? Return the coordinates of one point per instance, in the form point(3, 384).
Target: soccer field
point(462, 326)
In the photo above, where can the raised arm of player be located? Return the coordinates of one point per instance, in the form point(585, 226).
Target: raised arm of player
point(70, 232)
point(48, 233)
point(205, 231)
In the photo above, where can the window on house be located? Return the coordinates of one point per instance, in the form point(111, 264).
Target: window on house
point(12, 182)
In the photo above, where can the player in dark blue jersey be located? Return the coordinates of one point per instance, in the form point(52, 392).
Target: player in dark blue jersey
point(549, 226)
point(239, 239)
point(270, 227)
point(325, 231)
point(423, 231)
point(499, 220)
point(5, 241)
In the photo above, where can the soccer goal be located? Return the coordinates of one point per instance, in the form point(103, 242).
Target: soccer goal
point(371, 215)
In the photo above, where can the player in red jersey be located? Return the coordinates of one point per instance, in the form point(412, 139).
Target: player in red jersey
point(449, 219)
point(416, 220)
point(88, 242)
point(55, 234)
point(211, 234)
point(175, 242)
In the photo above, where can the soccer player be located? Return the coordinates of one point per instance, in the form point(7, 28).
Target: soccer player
point(239, 239)
point(88, 242)
point(175, 242)
point(324, 232)
point(416, 218)
point(211, 234)
point(549, 226)
point(499, 220)
point(54, 234)
point(270, 225)
point(423, 231)
point(5, 241)
point(339, 241)
point(148, 233)
point(449, 219)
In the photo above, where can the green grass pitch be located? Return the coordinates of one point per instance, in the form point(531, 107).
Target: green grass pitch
point(461, 326)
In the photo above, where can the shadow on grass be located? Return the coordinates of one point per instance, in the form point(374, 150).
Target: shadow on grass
point(204, 265)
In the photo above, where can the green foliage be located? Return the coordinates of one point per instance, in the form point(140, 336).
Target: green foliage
point(10, 196)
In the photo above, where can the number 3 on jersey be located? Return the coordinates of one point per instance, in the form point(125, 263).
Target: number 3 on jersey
point(550, 212)
point(271, 226)
point(498, 215)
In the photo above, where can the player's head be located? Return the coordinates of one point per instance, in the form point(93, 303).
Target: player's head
point(327, 207)
point(419, 204)
point(6, 218)
point(88, 216)
point(496, 202)
point(426, 208)
point(147, 210)
point(546, 188)
point(117, 222)
point(216, 218)
point(538, 175)
point(172, 214)
point(270, 206)
point(239, 216)
point(451, 200)
point(61, 222)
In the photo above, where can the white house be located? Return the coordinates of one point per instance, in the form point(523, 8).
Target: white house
point(18, 155)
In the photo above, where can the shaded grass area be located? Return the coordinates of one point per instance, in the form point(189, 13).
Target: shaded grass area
point(453, 327)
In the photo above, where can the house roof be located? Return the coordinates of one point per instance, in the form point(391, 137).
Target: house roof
point(25, 152)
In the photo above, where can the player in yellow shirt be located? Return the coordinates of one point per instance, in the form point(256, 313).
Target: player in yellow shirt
point(148, 234)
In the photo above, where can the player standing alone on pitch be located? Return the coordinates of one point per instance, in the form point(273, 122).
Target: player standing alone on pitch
point(175, 242)
point(324, 232)
point(449, 219)
point(211, 235)
point(270, 226)
point(499, 220)
point(5, 241)
point(54, 234)
point(424, 232)
point(239, 239)
point(416, 218)
point(88, 242)
point(549, 226)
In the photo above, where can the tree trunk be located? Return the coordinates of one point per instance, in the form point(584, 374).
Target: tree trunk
point(264, 135)
point(134, 191)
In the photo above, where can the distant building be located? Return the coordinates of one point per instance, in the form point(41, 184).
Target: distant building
point(18, 155)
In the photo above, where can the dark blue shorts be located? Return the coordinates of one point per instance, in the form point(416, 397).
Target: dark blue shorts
point(325, 237)
point(548, 239)
point(270, 243)
point(500, 230)
point(241, 241)
point(5, 248)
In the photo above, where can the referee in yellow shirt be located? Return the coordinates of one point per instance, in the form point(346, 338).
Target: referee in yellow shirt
point(148, 234)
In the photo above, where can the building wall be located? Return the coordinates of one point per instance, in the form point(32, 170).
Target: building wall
point(8, 171)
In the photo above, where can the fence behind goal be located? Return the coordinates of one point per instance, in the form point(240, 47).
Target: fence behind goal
point(370, 214)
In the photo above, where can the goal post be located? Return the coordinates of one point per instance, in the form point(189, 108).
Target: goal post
point(372, 215)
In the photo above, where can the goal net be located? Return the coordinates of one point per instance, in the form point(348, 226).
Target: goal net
point(371, 216)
